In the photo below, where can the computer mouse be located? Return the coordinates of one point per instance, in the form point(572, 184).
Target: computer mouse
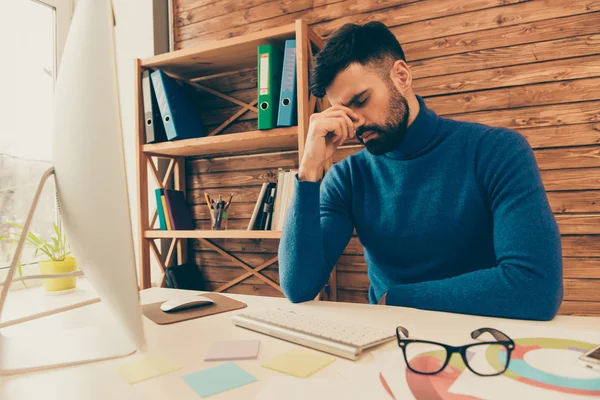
point(185, 303)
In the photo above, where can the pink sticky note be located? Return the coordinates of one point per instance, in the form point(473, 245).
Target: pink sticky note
point(233, 350)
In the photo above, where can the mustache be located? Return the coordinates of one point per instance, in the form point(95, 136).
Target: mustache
point(364, 129)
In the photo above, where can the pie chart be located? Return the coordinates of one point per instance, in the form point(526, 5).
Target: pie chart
point(546, 363)
point(536, 371)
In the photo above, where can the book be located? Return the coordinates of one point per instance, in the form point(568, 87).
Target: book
point(179, 211)
point(256, 211)
point(165, 208)
point(159, 209)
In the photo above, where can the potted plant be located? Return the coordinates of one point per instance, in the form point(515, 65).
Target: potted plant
point(58, 261)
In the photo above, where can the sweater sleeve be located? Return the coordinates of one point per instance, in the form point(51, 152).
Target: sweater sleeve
point(527, 280)
point(317, 228)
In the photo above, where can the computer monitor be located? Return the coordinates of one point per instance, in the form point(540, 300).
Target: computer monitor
point(92, 193)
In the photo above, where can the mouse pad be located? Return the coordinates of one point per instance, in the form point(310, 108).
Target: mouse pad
point(221, 304)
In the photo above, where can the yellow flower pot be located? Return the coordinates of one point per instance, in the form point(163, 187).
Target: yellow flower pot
point(58, 267)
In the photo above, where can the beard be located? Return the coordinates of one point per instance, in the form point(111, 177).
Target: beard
point(393, 131)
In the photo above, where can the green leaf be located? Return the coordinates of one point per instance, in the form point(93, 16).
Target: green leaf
point(20, 270)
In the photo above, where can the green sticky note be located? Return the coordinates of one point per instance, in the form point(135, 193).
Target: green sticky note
point(300, 363)
point(146, 367)
point(218, 379)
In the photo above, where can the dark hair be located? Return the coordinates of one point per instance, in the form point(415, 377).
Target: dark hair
point(369, 44)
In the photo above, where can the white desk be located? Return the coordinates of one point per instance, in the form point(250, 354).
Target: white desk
point(187, 342)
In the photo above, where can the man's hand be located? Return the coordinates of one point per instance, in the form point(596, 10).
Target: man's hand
point(382, 299)
point(327, 131)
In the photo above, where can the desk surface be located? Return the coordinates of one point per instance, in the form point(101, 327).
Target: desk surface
point(187, 342)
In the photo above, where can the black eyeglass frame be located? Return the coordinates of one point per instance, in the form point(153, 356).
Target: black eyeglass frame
point(501, 339)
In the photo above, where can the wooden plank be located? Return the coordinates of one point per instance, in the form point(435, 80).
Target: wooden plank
point(582, 289)
point(353, 296)
point(559, 136)
point(206, 103)
point(239, 17)
point(581, 246)
point(242, 246)
point(190, 13)
point(580, 201)
point(180, 6)
point(240, 163)
point(232, 81)
point(585, 24)
point(577, 46)
point(142, 181)
point(235, 211)
point(517, 97)
point(231, 54)
point(491, 18)
point(227, 179)
point(303, 48)
point(578, 224)
point(579, 267)
point(311, 16)
point(256, 290)
point(571, 179)
point(274, 139)
point(568, 157)
point(581, 308)
point(224, 275)
point(547, 71)
point(241, 194)
point(529, 117)
point(212, 259)
point(234, 225)
point(410, 13)
point(236, 230)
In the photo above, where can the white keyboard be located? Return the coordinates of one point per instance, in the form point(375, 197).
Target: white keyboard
point(346, 341)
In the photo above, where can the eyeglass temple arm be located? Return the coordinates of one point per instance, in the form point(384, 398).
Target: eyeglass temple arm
point(499, 336)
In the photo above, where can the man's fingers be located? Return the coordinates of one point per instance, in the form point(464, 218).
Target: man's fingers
point(354, 116)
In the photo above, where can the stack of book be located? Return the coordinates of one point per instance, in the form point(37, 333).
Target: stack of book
point(173, 210)
point(273, 202)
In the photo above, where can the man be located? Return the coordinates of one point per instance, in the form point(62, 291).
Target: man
point(452, 216)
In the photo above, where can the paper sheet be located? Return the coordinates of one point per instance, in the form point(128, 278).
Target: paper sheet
point(300, 363)
point(218, 379)
point(544, 365)
point(233, 350)
point(289, 388)
point(146, 367)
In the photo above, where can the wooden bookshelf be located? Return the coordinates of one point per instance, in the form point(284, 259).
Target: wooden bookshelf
point(280, 139)
point(192, 66)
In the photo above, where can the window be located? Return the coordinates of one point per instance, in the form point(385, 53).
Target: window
point(32, 37)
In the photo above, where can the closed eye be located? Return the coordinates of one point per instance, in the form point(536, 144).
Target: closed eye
point(361, 103)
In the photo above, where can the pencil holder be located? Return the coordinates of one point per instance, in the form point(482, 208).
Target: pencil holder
point(219, 219)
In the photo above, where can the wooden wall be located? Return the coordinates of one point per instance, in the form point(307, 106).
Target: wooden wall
point(533, 66)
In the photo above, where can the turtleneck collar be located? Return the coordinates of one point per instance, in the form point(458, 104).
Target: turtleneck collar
point(420, 135)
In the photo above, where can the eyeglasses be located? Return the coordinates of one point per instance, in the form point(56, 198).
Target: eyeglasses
point(482, 358)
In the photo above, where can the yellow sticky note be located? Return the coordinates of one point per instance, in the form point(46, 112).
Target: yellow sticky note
point(300, 363)
point(146, 367)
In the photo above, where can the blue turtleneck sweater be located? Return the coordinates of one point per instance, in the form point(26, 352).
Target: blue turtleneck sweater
point(455, 219)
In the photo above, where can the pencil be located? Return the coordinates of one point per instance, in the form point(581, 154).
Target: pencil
point(207, 201)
